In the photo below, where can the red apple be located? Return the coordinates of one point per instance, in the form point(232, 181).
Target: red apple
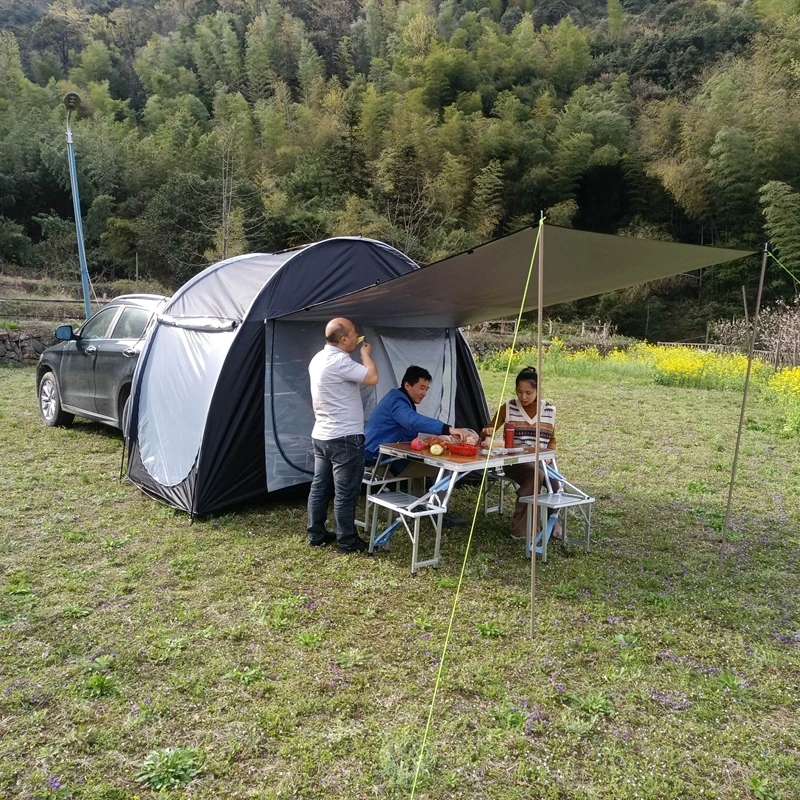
point(417, 444)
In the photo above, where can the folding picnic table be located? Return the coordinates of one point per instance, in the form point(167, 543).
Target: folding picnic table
point(411, 510)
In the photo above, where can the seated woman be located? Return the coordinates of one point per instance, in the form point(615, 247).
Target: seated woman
point(523, 411)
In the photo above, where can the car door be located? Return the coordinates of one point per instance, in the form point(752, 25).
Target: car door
point(116, 358)
point(76, 373)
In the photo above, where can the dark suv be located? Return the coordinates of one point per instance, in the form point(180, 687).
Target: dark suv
point(89, 372)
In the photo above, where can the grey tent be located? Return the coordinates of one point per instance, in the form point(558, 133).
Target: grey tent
point(221, 408)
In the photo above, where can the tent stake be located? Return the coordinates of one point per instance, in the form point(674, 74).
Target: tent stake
point(536, 467)
point(122, 460)
point(753, 335)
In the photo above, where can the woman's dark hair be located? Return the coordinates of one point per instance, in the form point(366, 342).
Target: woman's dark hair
point(528, 374)
point(414, 375)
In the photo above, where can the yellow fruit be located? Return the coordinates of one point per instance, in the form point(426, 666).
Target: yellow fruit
point(436, 449)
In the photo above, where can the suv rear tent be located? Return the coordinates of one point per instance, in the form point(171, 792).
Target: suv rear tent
point(221, 407)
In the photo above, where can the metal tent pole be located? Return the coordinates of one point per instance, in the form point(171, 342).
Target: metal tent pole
point(753, 335)
point(536, 467)
point(72, 101)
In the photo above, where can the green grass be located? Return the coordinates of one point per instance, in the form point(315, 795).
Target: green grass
point(227, 659)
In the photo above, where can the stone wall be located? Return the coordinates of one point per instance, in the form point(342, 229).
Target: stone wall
point(24, 346)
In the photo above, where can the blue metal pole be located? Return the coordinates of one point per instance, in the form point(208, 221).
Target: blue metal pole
point(76, 204)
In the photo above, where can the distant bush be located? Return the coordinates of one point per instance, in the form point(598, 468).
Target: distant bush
point(125, 286)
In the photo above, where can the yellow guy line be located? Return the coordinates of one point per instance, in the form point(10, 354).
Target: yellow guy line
point(785, 269)
point(474, 519)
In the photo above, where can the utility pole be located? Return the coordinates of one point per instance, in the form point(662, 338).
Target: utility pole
point(72, 101)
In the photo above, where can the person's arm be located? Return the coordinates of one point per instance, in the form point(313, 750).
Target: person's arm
point(496, 424)
point(404, 415)
point(371, 378)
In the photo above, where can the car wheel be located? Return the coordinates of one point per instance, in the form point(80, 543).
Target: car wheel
point(50, 402)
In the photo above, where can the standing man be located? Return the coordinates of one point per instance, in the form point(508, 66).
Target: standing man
point(338, 435)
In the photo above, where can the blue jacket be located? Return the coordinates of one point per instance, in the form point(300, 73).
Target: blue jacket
point(395, 419)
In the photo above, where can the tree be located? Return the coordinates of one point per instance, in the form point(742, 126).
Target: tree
point(616, 17)
point(486, 209)
point(14, 244)
point(61, 30)
point(734, 167)
point(10, 61)
point(781, 208)
point(567, 55)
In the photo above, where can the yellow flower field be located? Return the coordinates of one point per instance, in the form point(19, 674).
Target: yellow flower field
point(670, 366)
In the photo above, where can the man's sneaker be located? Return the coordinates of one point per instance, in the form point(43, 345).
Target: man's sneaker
point(357, 545)
point(452, 520)
point(328, 538)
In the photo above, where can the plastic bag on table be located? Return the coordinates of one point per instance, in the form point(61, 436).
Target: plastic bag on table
point(436, 445)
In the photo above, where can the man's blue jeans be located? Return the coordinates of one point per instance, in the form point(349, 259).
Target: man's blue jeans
point(338, 471)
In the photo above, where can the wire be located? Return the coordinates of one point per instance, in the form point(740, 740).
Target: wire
point(786, 269)
point(474, 520)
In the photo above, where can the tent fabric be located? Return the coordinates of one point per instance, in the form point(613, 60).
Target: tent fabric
point(174, 409)
point(226, 289)
point(287, 395)
point(488, 282)
point(348, 262)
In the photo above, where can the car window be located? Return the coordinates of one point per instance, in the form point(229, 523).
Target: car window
point(97, 326)
point(131, 324)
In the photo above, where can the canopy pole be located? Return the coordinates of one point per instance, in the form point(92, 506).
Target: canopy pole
point(536, 468)
point(751, 348)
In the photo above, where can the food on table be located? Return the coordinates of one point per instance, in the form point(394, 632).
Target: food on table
point(436, 449)
point(462, 449)
point(417, 444)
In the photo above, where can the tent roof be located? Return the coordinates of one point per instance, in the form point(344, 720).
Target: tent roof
point(231, 289)
point(488, 281)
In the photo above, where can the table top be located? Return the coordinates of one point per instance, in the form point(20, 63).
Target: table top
point(465, 463)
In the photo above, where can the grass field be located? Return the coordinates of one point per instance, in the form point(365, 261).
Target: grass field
point(290, 673)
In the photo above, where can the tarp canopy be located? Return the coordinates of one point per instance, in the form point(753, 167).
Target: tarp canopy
point(487, 282)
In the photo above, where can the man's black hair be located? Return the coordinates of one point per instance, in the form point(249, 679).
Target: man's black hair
point(414, 375)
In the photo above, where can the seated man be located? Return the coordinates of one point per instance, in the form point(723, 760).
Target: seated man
point(395, 419)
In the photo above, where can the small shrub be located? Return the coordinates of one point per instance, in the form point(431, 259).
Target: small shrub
point(115, 543)
point(352, 658)
point(104, 663)
point(578, 726)
point(593, 705)
point(761, 789)
point(75, 611)
point(398, 758)
point(309, 639)
point(728, 680)
point(491, 630)
point(565, 590)
point(99, 685)
point(510, 716)
point(169, 768)
point(18, 586)
point(185, 566)
point(626, 639)
point(246, 675)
